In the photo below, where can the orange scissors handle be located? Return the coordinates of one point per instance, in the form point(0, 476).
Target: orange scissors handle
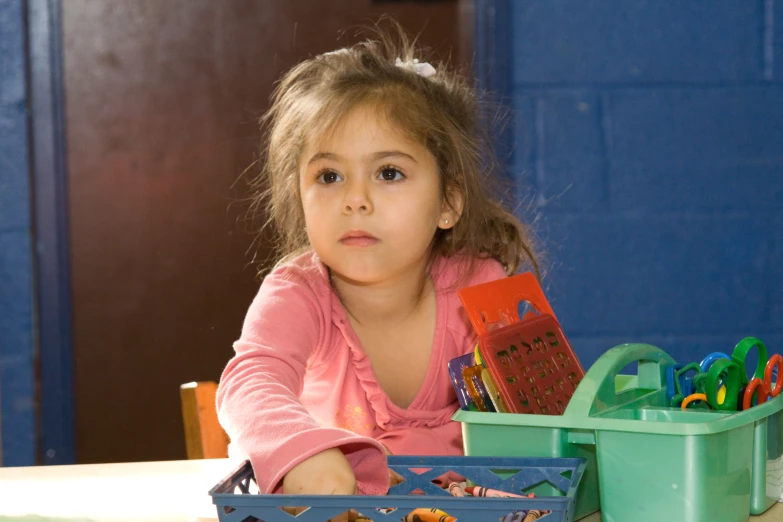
point(691, 398)
point(764, 389)
point(758, 388)
point(776, 361)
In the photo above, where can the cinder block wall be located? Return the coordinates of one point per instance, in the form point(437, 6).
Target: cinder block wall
point(17, 409)
point(651, 133)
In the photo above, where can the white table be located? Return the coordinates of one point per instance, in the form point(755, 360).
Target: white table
point(172, 491)
point(773, 514)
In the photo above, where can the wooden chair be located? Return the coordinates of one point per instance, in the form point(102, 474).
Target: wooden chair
point(204, 436)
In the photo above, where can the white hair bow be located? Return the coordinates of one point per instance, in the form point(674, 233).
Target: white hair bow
point(423, 69)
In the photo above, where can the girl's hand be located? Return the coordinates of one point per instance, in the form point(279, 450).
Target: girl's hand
point(325, 473)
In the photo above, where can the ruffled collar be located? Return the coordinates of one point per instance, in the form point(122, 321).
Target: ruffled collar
point(388, 414)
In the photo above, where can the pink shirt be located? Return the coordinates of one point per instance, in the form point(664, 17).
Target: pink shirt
point(301, 383)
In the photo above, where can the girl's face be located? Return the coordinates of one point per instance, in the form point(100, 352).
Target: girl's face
point(371, 200)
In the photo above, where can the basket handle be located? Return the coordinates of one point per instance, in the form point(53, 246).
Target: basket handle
point(596, 391)
point(496, 303)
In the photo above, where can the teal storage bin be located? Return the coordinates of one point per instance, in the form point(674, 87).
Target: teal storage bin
point(646, 461)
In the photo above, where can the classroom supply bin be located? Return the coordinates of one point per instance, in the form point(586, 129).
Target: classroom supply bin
point(554, 480)
point(646, 461)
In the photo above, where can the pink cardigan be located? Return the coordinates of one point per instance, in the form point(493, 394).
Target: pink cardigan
point(300, 382)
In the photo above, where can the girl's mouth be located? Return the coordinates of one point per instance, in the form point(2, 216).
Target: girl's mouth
point(358, 238)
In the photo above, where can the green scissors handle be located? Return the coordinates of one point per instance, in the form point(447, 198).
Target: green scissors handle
point(680, 394)
point(723, 373)
point(740, 355)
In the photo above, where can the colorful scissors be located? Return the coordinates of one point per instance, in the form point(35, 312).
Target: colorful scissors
point(680, 384)
point(741, 391)
point(760, 386)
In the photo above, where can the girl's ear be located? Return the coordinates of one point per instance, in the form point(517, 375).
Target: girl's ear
point(451, 209)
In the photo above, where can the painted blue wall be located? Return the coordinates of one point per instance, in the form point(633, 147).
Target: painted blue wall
point(651, 133)
point(17, 407)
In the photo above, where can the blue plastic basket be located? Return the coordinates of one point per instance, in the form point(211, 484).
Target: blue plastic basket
point(554, 480)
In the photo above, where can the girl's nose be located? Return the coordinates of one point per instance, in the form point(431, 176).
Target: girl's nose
point(357, 199)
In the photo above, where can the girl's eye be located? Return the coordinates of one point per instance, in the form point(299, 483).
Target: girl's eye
point(391, 174)
point(328, 176)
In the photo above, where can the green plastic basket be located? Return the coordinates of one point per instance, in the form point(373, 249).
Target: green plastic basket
point(647, 462)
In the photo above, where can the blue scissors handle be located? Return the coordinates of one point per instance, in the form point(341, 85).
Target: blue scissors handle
point(711, 358)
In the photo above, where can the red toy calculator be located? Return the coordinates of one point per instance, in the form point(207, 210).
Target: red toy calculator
point(530, 359)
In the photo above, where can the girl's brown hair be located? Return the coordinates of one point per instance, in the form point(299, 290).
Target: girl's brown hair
point(442, 112)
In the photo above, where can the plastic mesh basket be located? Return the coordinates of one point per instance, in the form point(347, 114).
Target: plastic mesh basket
point(554, 480)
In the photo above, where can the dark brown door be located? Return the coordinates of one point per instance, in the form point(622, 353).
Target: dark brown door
point(162, 102)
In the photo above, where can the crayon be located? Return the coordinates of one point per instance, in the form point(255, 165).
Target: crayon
point(532, 515)
point(515, 516)
point(472, 377)
point(455, 488)
point(428, 515)
point(456, 366)
point(478, 491)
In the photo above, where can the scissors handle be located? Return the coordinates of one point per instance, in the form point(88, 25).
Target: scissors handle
point(756, 387)
point(726, 373)
point(679, 384)
point(682, 384)
point(765, 389)
point(740, 356)
point(775, 362)
point(693, 397)
point(711, 358)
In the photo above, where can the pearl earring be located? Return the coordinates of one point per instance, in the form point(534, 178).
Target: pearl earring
point(446, 221)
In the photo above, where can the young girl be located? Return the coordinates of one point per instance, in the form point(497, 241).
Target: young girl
point(378, 186)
